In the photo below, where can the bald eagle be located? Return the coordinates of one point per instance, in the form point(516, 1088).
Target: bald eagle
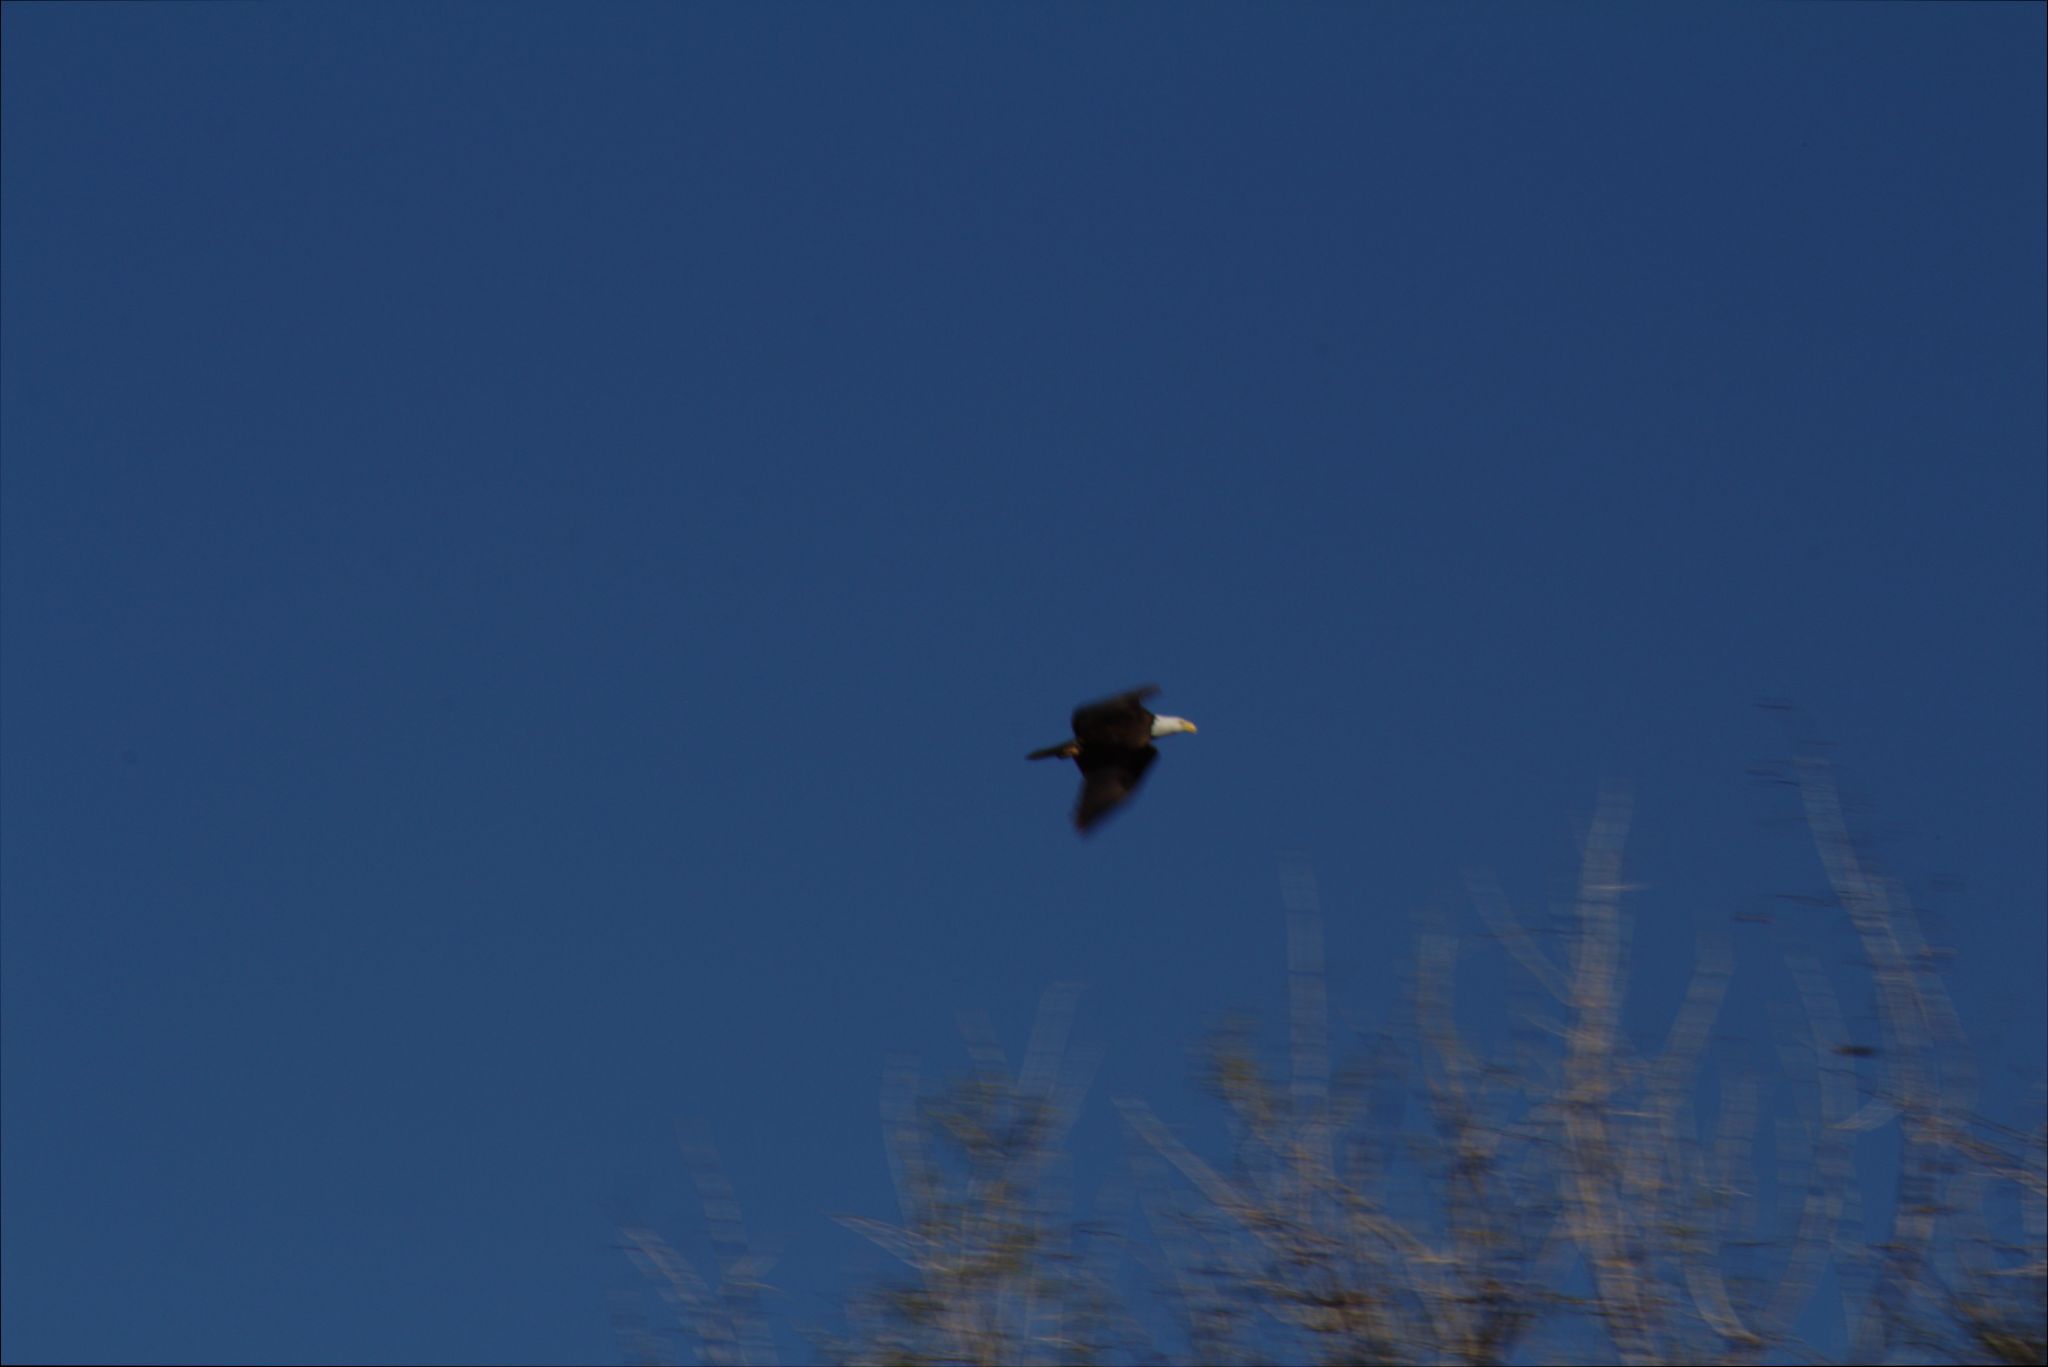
point(1113, 745)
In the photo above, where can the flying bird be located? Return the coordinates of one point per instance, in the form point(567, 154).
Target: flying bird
point(1113, 745)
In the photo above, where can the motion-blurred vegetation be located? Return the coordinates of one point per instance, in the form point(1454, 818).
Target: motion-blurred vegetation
point(1568, 1197)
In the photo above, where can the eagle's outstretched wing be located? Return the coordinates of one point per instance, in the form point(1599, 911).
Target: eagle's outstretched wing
point(1108, 778)
point(1122, 720)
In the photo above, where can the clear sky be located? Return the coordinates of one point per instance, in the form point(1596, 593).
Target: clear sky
point(536, 539)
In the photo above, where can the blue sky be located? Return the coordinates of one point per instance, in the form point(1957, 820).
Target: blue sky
point(536, 539)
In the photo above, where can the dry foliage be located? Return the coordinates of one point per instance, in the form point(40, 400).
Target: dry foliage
point(1569, 1196)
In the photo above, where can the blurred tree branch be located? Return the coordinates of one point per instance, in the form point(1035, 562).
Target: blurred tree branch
point(1569, 1196)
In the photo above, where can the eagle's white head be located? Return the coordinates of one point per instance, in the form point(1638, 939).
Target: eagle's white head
point(1166, 726)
